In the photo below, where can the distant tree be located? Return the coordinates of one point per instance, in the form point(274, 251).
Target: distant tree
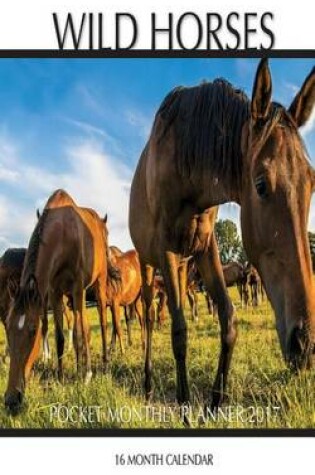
point(311, 237)
point(229, 242)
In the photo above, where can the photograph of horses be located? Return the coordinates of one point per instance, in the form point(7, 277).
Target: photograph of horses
point(165, 204)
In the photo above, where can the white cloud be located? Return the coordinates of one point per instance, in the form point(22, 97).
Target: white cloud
point(139, 121)
point(93, 178)
point(7, 175)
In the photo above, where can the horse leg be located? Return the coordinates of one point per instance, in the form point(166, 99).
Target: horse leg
point(82, 335)
point(116, 324)
point(128, 324)
point(46, 349)
point(70, 321)
point(147, 274)
point(209, 304)
point(210, 268)
point(159, 316)
point(175, 284)
point(246, 295)
point(240, 292)
point(255, 295)
point(114, 333)
point(139, 312)
point(163, 308)
point(57, 306)
point(132, 312)
point(100, 288)
point(196, 309)
point(192, 305)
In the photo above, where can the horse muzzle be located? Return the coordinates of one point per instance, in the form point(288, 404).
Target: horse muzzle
point(13, 402)
point(300, 349)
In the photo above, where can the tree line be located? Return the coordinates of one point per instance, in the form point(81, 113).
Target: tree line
point(231, 247)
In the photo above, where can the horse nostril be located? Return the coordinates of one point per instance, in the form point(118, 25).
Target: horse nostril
point(299, 348)
point(296, 341)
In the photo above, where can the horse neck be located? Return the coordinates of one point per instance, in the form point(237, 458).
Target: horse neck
point(212, 190)
point(39, 262)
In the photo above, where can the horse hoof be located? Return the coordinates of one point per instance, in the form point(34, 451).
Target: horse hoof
point(148, 395)
point(184, 412)
point(216, 401)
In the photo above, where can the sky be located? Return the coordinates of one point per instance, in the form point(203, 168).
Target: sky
point(80, 124)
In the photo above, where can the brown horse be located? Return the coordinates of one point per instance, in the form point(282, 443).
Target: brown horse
point(254, 283)
point(67, 253)
point(11, 267)
point(210, 145)
point(195, 286)
point(161, 297)
point(126, 294)
point(235, 274)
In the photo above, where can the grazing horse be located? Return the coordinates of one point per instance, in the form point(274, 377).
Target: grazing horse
point(126, 293)
point(210, 145)
point(11, 267)
point(234, 273)
point(254, 284)
point(67, 253)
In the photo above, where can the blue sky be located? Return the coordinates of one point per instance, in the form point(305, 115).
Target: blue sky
point(81, 125)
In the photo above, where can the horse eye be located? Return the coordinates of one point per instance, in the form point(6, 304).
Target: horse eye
point(261, 187)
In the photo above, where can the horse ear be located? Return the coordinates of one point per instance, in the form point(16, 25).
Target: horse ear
point(105, 218)
point(261, 99)
point(38, 214)
point(302, 105)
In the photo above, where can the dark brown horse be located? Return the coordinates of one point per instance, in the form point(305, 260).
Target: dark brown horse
point(11, 267)
point(126, 294)
point(67, 253)
point(161, 298)
point(210, 145)
point(253, 282)
point(235, 274)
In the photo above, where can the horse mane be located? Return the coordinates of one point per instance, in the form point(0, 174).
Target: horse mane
point(208, 121)
point(114, 280)
point(29, 292)
point(13, 257)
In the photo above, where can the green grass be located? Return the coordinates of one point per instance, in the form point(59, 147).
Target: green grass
point(258, 379)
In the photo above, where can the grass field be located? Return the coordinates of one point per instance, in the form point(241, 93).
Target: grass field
point(262, 392)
